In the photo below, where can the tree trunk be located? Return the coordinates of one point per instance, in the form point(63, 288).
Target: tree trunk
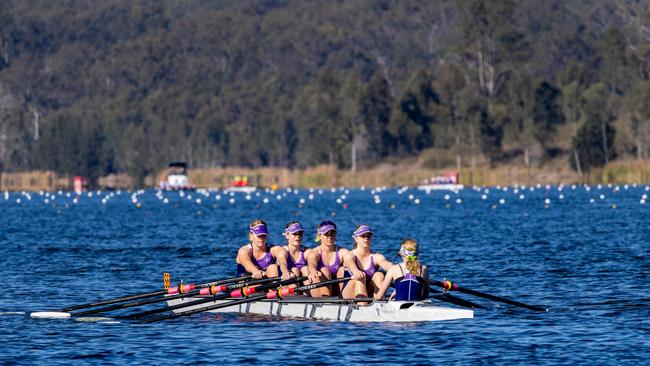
point(526, 157)
point(605, 149)
point(37, 117)
point(577, 160)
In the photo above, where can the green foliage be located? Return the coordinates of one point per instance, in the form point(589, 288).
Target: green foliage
point(126, 86)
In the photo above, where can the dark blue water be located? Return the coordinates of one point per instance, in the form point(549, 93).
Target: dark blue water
point(583, 255)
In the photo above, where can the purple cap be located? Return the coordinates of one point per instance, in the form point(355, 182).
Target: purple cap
point(326, 226)
point(363, 229)
point(259, 229)
point(294, 228)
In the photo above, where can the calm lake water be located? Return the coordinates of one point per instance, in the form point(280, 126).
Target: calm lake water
point(583, 253)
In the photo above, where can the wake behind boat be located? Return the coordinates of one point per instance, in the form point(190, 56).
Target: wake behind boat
point(336, 309)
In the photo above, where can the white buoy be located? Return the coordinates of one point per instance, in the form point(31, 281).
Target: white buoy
point(416, 201)
point(265, 200)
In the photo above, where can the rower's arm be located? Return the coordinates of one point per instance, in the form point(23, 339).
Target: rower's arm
point(385, 284)
point(351, 263)
point(384, 263)
point(280, 254)
point(425, 276)
point(312, 266)
point(244, 258)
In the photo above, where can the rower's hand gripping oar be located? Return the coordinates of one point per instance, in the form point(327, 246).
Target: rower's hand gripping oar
point(450, 286)
point(171, 297)
point(280, 292)
point(170, 291)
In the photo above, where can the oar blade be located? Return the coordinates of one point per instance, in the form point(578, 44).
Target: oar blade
point(50, 315)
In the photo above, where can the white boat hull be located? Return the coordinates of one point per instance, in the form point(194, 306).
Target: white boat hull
point(440, 187)
point(379, 311)
point(240, 189)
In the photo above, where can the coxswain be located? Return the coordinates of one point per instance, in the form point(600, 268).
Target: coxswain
point(411, 278)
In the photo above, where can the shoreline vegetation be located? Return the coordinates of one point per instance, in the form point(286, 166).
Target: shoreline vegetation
point(327, 176)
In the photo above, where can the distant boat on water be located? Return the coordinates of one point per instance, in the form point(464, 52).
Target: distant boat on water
point(240, 184)
point(176, 179)
point(448, 181)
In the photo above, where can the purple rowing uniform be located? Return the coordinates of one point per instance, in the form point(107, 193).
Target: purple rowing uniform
point(334, 267)
point(262, 264)
point(301, 262)
point(372, 268)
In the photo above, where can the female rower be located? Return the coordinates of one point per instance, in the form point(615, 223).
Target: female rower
point(325, 261)
point(257, 259)
point(296, 254)
point(411, 278)
point(362, 264)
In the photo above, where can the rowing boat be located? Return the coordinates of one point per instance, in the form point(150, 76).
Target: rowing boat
point(337, 309)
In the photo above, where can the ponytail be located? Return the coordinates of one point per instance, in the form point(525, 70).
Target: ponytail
point(409, 251)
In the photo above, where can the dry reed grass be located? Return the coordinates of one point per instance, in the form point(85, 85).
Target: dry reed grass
point(411, 173)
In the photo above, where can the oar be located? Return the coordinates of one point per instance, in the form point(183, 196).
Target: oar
point(171, 290)
point(443, 296)
point(245, 292)
point(450, 286)
point(270, 295)
point(60, 314)
point(215, 288)
point(216, 293)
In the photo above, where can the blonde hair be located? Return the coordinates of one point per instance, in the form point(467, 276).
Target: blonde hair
point(412, 263)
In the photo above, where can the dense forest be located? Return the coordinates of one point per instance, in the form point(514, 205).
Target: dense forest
point(95, 87)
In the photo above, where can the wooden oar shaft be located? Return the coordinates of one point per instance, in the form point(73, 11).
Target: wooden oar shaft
point(450, 286)
point(243, 300)
point(163, 298)
point(145, 295)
